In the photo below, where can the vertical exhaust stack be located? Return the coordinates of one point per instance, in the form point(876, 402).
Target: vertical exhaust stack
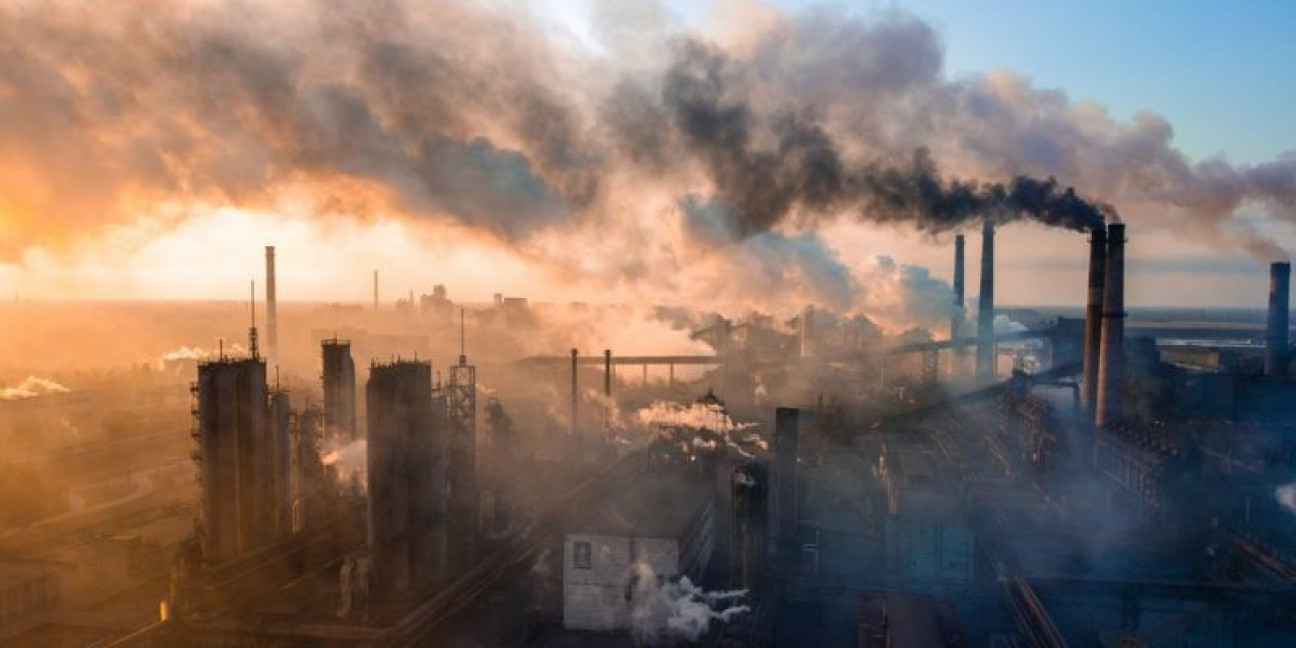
point(375, 291)
point(607, 394)
point(1111, 361)
point(958, 314)
point(1277, 344)
point(985, 360)
point(956, 318)
point(574, 432)
point(1093, 318)
point(272, 306)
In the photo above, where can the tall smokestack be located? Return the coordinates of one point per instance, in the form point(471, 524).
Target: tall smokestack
point(272, 307)
point(985, 361)
point(1093, 318)
point(574, 394)
point(1277, 344)
point(1111, 362)
point(956, 319)
point(375, 290)
point(607, 392)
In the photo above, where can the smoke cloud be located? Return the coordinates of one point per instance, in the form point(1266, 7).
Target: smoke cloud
point(695, 160)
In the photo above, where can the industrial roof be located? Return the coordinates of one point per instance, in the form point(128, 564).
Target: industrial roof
point(660, 505)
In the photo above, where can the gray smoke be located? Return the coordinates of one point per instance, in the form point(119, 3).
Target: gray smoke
point(800, 168)
point(474, 112)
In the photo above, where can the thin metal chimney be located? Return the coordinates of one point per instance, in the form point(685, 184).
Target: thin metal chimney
point(607, 392)
point(272, 307)
point(1093, 318)
point(574, 393)
point(1277, 345)
point(1111, 361)
point(985, 361)
point(956, 318)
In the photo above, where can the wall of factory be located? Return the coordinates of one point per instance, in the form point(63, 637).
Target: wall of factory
point(29, 592)
point(929, 544)
point(784, 492)
point(747, 526)
point(280, 464)
point(600, 571)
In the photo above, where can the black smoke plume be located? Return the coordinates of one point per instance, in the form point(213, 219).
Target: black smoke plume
point(801, 169)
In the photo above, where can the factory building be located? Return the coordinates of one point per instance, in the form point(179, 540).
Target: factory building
point(29, 592)
point(662, 526)
point(279, 462)
point(339, 388)
point(929, 544)
point(235, 457)
point(406, 477)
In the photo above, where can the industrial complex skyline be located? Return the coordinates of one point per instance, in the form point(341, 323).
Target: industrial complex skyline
point(716, 323)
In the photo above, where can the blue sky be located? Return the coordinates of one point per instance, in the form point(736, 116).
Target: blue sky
point(1224, 73)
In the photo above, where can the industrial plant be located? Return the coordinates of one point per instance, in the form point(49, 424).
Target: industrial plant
point(1095, 477)
point(615, 323)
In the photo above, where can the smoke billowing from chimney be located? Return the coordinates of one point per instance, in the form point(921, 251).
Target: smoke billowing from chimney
point(404, 112)
point(1278, 339)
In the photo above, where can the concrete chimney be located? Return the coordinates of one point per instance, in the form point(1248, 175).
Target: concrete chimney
point(958, 360)
point(985, 360)
point(272, 307)
point(1277, 343)
point(1111, 360)
point(607, 392)
point(1093, 318)
point(575, 395)
point(956, 318)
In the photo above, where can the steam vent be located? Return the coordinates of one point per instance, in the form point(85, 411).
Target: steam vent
point(646, 324)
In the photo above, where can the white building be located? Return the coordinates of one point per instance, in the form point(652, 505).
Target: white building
point(666, 524)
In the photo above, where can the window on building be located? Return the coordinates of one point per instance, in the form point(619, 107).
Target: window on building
point(582, 555)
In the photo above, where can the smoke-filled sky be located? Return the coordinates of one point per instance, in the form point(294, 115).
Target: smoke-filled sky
point(733, 154)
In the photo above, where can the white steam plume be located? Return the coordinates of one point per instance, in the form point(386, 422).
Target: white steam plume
point(32, 387)
point(665, 611)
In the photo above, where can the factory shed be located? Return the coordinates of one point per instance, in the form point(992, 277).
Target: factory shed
point(660, 526)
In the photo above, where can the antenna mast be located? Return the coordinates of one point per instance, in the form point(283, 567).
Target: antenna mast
point(252, 331)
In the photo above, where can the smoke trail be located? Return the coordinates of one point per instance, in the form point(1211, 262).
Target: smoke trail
point(32, 387)
point(1286, 496)
point(801, 167)
point(349, 459)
